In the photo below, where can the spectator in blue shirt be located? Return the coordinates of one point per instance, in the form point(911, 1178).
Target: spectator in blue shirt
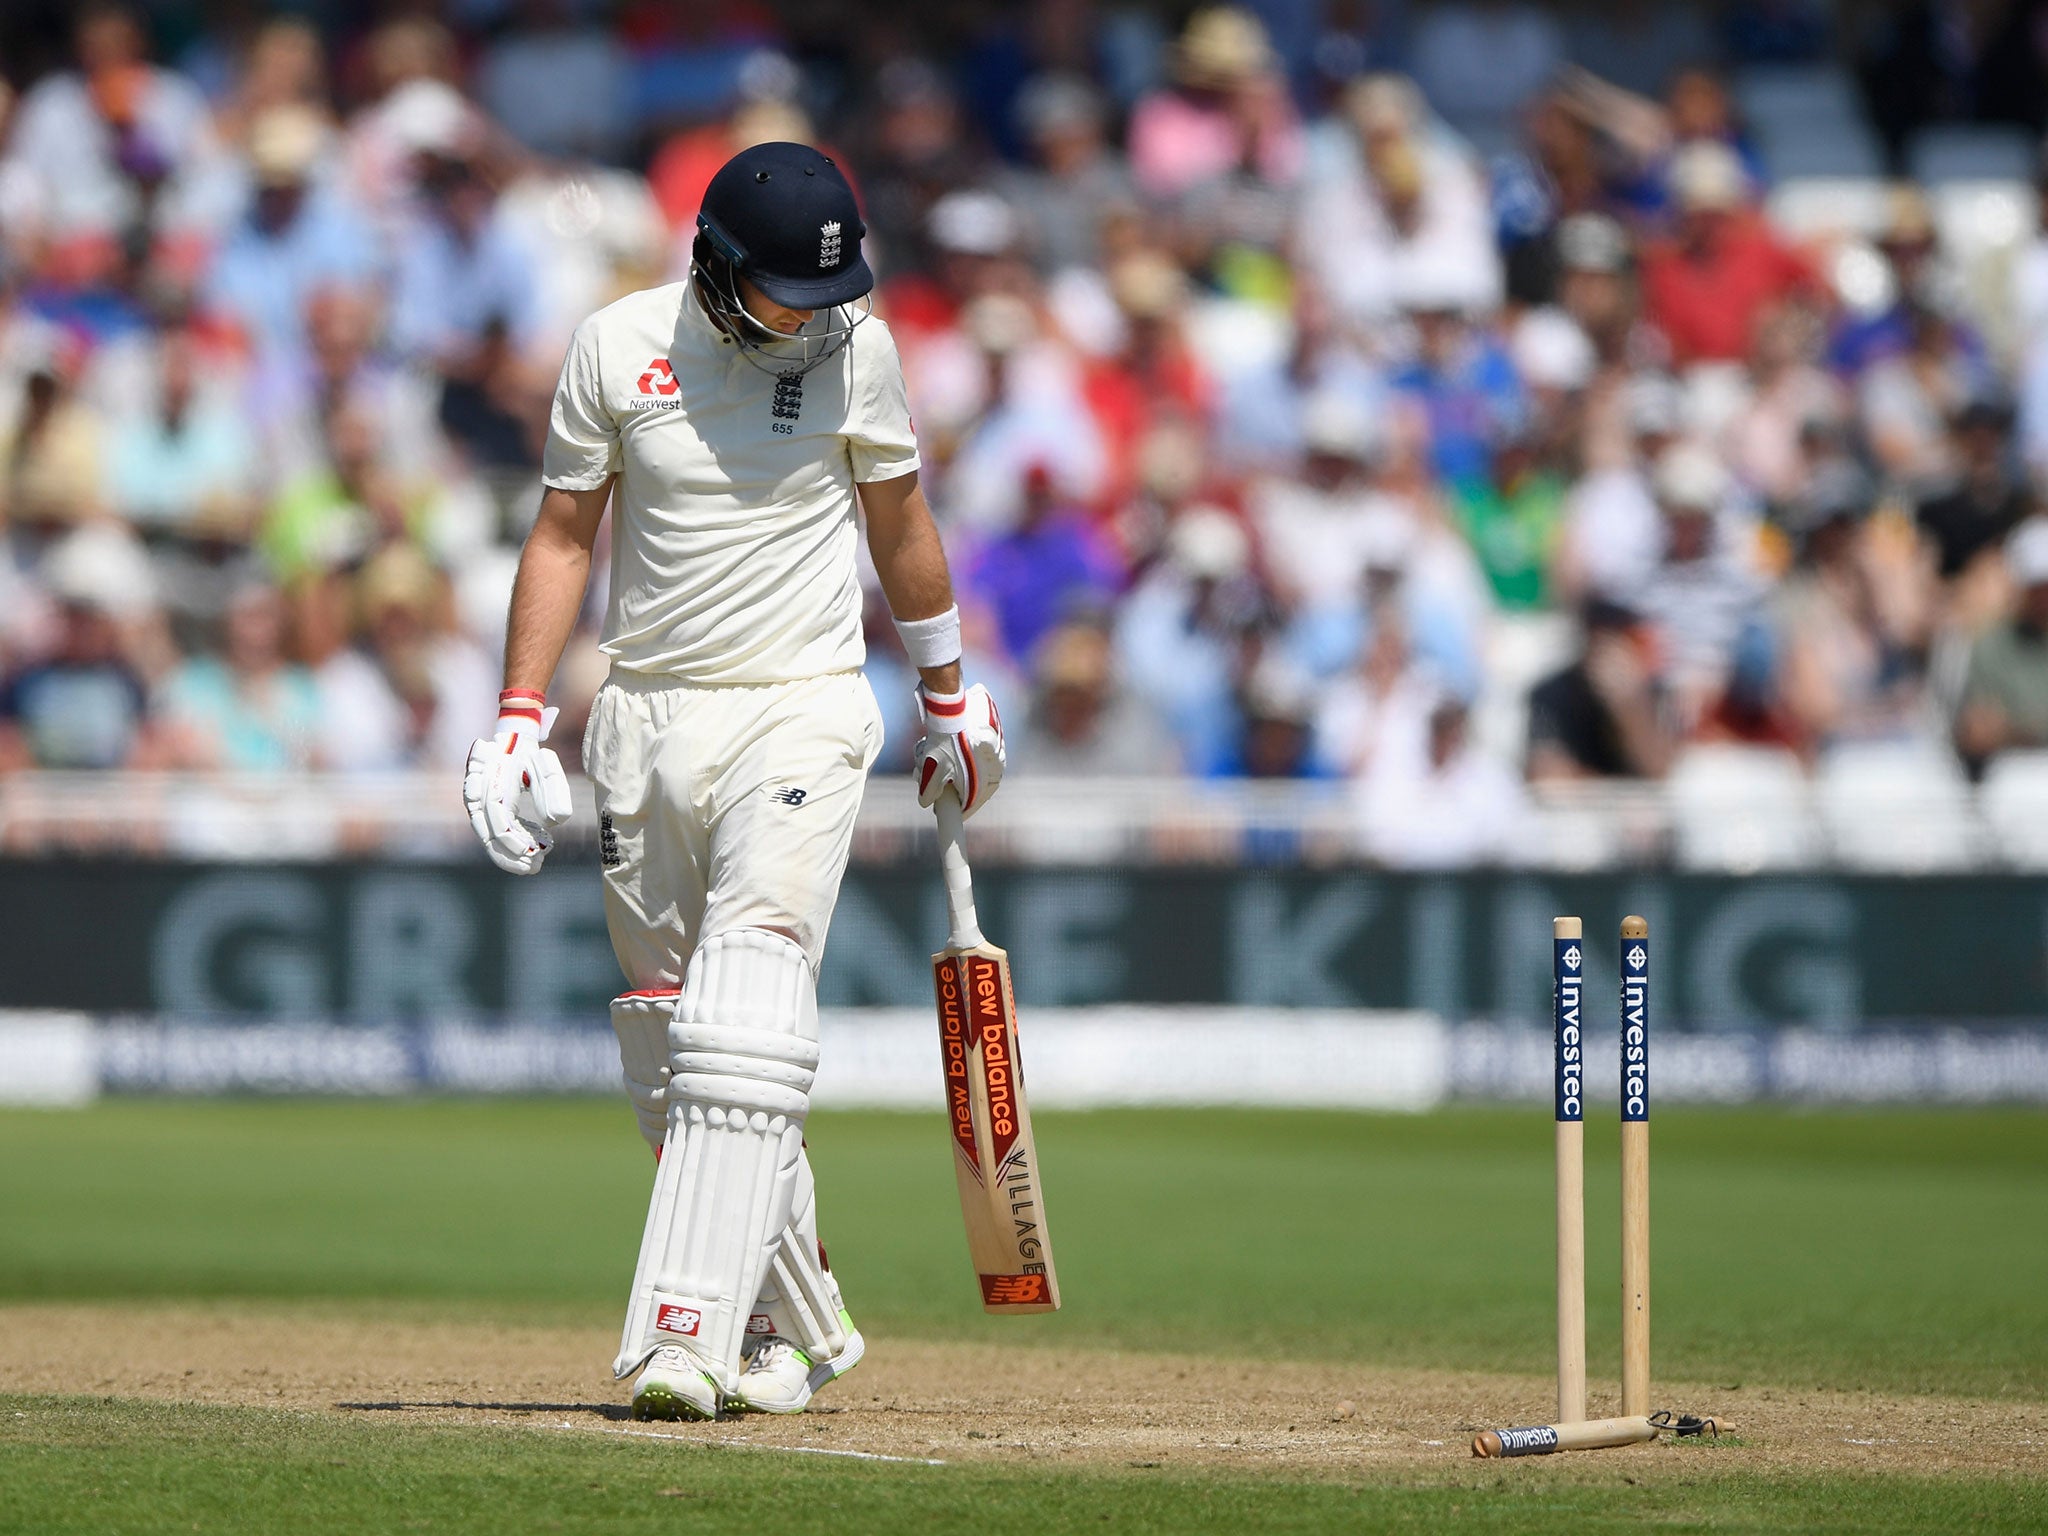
point(1465, 383)
point(296, 237)
point(1051, 566)
point(461, 268)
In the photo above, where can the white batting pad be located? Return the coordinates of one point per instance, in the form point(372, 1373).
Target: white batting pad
point(800, 1299)
point(641, 1020)
point(742, 1053)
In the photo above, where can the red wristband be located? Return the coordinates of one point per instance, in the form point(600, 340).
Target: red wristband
point(522, 703)
point(944, 713)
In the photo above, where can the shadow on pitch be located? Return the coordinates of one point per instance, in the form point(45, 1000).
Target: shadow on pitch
point(614, 1411)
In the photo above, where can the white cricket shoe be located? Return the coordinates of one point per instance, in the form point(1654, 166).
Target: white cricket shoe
point(781, 1378)
point(674, 1386)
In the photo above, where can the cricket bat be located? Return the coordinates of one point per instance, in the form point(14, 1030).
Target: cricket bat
point(995, 1158)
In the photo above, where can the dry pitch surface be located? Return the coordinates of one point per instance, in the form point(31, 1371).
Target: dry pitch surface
point(955, 1402)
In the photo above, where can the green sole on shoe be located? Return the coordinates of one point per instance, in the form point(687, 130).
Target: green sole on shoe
point(821, 1375)
point(661, 1403)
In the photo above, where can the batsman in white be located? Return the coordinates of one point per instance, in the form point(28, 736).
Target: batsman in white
point(740, 423)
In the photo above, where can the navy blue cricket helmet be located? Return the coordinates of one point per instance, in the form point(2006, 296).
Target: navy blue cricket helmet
point(783, 217)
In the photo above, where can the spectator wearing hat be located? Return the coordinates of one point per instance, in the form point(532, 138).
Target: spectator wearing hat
point(1906, 401)
point(1392, 200)
point(1597, 287)
point(1179, 633)
point(971, 244)
point(1459, 376)
point(249, 708)
point(1911, 248)
point(1277, 711)
point(1722, 266)
point(1613, 533)
point(117, 146)
point(1513, 516)
point(1851, 619)
point(183, 460)
point(1603, 715)
point(2005, 690)
point(1382, 701)
point(1019, 402)
point(1261, 407)
point(1153, 373)
point(52, 450)
point(284, 65)
point(436, 673)
point(1646, 135)
point(916, 150)
point(1792, 401)
point(1226, 112)
point(459, 268)
point(343, 508)
point(1705, 588)
point(1985, 498)
point(1051, 566)
point(299, 234)
point(412, 108)
point(1316, 522)
point(1075, 178)
point(85, 702)
point(1083, 722)
point(1436, 801)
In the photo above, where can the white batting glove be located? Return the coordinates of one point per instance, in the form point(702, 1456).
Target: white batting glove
point(507, 767)
point(962, 746)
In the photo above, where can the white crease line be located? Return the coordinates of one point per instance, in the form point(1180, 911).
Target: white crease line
point(748, 1445)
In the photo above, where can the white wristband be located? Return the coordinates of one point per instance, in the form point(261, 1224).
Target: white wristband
point(932, 642)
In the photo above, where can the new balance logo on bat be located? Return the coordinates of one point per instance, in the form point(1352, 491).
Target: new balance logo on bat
point(1014, 1290)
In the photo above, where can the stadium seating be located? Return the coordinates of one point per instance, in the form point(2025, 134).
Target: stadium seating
point(1898, 807)
point(1738, 809)
point(2014, 800)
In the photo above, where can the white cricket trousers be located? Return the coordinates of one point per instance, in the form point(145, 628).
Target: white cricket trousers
point(724, 807)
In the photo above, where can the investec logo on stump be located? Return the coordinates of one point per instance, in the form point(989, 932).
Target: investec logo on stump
point(658, 388)
point(1635, 1034)
point(1571, 1064)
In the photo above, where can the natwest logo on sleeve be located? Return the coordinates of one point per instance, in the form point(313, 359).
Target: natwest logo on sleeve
point(659, 379)
point(671, 1318)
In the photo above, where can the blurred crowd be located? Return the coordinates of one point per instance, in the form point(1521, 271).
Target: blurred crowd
point(1423, 395)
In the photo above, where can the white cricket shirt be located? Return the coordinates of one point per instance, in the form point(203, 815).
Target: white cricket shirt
point(733, 522)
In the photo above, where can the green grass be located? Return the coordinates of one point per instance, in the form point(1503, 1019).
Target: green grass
point(1901, 1252)
point(112, 1468)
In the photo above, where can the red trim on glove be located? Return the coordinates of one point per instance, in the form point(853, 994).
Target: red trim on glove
point(942, 706)
point(521, 704)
